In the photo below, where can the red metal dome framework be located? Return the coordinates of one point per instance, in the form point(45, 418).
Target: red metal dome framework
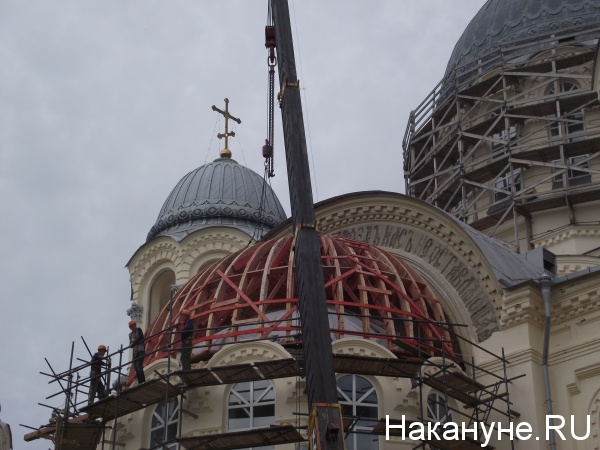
point(251, 294)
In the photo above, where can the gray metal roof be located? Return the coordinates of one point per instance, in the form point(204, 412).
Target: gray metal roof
point(509, 267)
point(222, 192)
point(500, 21)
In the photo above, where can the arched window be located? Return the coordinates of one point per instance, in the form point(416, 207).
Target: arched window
point(437, 409)
point(164, 413)
point(251, 404)
point(160, 294)
point(358, 398)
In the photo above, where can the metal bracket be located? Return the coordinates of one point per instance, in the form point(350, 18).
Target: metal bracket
point(287, 84)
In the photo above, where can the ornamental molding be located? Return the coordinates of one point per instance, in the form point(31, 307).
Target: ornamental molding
point(582, 303)
point(571, 264)
point(203, 244)
point(247, 352)
point(155, 252)
point(524, 305)
point(360, 347)
point(400, 224)
point(576, 231)
point(594, 413)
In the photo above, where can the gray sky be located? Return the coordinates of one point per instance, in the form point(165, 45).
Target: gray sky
point(105, 105)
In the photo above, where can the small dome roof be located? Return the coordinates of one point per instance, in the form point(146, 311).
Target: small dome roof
point(500, 21)
point(251, 294)
point(222, 192)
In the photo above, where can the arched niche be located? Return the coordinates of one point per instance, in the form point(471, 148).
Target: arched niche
point(159, 293)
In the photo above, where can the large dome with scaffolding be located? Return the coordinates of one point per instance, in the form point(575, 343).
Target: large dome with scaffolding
point(224, 193)
point(499, 22)
point(251, 295)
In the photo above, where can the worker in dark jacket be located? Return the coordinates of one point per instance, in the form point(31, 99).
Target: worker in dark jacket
point(96, 385)
point(186, 326)
point(136, 342)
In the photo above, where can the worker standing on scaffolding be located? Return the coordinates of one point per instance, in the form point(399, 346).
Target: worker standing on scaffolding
point(136, 342)
point(96, 385)
point(186, 326)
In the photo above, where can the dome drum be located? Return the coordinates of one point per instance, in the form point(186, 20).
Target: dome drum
point(250, 295)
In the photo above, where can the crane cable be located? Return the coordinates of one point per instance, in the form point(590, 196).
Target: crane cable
point(271, 63)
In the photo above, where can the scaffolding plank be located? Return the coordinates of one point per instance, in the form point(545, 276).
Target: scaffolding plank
point(131, 400)
point(237, 373)
point(281, 368)
point(388, 367)
point(80, 436)
point(455, 380)
point(197, 377)
point(243, 439)
point(48, 431)
point(456, 384)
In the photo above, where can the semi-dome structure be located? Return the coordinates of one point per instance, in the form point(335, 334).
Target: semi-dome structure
point(220, 193)
point(249, 295)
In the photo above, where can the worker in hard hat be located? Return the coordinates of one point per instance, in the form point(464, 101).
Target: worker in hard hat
point(136, 342)
point(96, 385)
point(186, 327)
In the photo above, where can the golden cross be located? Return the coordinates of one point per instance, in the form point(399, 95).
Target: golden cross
point(226, 153)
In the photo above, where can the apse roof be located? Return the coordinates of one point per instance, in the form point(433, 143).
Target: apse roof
point(222, 192)
point(500, 21)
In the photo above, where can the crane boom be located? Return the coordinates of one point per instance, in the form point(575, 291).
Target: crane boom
point(325, 425)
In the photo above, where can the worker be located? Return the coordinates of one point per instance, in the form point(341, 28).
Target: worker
point(186, 326)
point(96, 385)
point(136, 342)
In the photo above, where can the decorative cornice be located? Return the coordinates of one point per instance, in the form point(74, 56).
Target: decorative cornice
point(523, 305)
point(360, 347)
point(246, 352)
point(567, 234)
point(577, 304)
point(575, 263)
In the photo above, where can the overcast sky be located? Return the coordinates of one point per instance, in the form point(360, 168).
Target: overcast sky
point(105, 105)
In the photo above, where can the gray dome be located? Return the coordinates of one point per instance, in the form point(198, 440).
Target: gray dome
point(500, 21)
point(222, 192)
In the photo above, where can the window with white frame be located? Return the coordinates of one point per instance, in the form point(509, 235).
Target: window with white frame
point(574, 176)
point(506, 183)
point(358, 398)
point(251, 404)
point(437, 409)
point(164, 414)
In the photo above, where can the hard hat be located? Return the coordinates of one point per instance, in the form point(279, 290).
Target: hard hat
point(132, 322)
point(101, 347)
point(186, 312)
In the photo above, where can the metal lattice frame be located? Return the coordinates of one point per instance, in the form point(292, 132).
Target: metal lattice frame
point(252, 295)
point(501, 138)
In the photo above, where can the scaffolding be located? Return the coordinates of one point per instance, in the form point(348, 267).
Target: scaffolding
point(511, 134)
point(425, 361)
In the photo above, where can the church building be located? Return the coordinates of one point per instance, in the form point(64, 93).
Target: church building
point(473, 298)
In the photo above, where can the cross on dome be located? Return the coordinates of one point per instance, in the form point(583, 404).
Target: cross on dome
point(226, 153)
